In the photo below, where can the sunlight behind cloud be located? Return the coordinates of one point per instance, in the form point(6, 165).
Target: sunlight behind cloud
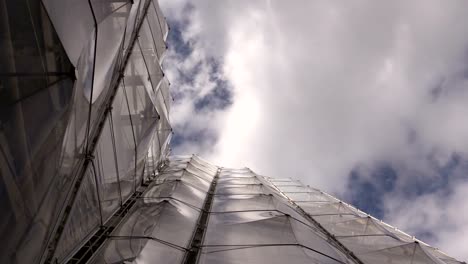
point(323, 88)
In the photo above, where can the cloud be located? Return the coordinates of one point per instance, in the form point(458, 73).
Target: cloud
point(200, 90)
point(438, 218)
point(322, 90)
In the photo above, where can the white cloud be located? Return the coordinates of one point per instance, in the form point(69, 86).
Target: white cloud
point(446, 218)
point(321, 87)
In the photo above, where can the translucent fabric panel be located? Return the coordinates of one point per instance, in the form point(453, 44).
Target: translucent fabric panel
point(236, 174)
point(33, 57)
point(451, 261)
point(150, 55)
point(242, 189)
point(36, 98)
point(356, 227)
point(161, 105)
point(167, 220)
point(292, 254)
point(177, 190)
point(141, 11)
point(170, 174)
point(83, 83)
point(155, 152)
point(174, 166)
point(192, 177)
point(164, 131)
point(284, 183)
point(152, 160)
point(310, 197)
point(137, 81)
point(158, 27)
point(110, 33)
point(134, 18)
point(197, 161)
point(142, 150)
point(144, 116)
point(138, 251)
point(264, 228)
point(161, 19)
point(233, 203)
point(180, 158)
point(440, 255)
point(195, 167)
point(309, 236)
point(406, 254)
point(74, 23)
point(294, 188)
point(249, 228)
point(78, 228)
point(103, 9)
point(227, 171)
point(131, 23)
point(165, 149)
point(188, 178)
point(335, 218)
point(108, 180)
point(234, 181)
point(208, 176)
point(165, 91)
point(35, 181)
point(401, 235)
point(364, 244)
point(280, 180)
point(148, 171)
point(125, 149)
point(226, 203)
point(321, 208)
point(268, 184)
point(156, 148)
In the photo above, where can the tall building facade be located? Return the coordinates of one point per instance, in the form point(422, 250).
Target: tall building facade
point(194, 212)
point(85, 175)
point(83, 119)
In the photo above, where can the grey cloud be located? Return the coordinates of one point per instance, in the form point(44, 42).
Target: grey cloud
point(320, 88)
point(199, 88)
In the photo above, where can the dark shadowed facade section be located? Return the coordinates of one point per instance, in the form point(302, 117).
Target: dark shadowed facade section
point(83, 121)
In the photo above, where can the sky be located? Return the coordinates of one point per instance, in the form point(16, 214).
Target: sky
point(366, 100)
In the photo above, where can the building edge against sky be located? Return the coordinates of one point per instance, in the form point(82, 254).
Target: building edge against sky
point(85, 173)
point(195, 212)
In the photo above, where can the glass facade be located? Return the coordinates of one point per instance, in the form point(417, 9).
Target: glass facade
point(194, 212)
point(85, 175)
point(368, 239)
point(83, 121)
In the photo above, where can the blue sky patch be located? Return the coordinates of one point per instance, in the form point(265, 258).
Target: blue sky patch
point(366, 193)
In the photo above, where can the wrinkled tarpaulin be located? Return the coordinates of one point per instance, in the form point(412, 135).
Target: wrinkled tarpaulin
point(252, 219)
point(84, 118)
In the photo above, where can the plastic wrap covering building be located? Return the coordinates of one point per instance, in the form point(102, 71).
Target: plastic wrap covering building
point(194, 212)
point(84, 170)
point(83, 119)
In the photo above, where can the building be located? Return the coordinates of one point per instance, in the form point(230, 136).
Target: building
point(85, 175)
point(194, 212)
point(83, 118)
